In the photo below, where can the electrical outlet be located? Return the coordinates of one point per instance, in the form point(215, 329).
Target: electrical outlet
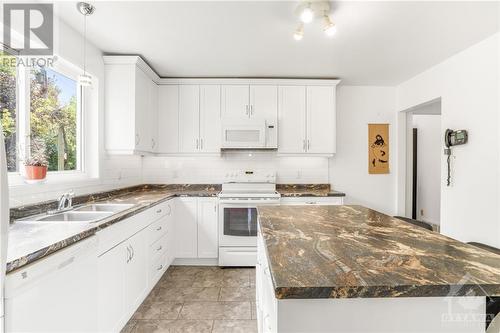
point(421, 212)
point(299, 174)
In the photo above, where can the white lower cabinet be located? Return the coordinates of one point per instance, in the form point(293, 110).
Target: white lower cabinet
point(136, 277)
point(196, 228)
point(55, 294)
point(123, 282)
point(111, 296)
point(207, 228)
point(131, 267)
point(186, 232)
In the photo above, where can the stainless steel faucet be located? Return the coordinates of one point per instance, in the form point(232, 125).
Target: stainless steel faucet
point(65, 203)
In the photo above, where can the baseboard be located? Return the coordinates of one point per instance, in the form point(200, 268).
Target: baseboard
point(196, 262)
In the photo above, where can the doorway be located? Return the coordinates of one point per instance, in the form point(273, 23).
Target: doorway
point(423, 162)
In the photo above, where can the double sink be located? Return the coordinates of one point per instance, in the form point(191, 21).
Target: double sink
point(87, 213)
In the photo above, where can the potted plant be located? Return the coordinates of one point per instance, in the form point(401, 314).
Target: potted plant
point(36, 164)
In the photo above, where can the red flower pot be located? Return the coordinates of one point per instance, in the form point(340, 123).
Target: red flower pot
point(35, 172)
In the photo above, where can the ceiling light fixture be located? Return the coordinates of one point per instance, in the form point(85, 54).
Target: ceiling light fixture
point(86, 9)
point(307, 10)
point(299, 33)
point(329, 27)
point(307, 14)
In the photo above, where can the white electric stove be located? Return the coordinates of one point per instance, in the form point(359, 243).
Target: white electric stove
point(241, 193)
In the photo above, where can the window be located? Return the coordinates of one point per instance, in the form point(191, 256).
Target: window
point(8, 110)
point(41, 105)
point(54, 117)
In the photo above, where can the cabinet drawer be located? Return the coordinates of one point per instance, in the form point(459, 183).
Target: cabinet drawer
point(156, 230)
point(312, 201)
point(157, 268)
point(120, 231)
point(162, 209)
point(158, 248)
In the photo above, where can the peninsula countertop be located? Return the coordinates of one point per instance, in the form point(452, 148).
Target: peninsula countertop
point(356, 252)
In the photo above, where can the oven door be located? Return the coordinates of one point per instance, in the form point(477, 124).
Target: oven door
point(238, 223)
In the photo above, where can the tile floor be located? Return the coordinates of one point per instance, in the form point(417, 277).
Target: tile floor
point(199, 299)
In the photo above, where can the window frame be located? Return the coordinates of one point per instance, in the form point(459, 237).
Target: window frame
point(23, 128)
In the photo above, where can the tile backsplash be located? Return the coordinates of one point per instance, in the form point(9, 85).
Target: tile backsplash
point(179, 170)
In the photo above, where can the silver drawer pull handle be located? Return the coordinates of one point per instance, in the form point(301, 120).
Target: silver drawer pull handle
point(159, 248)
point(158, 211)
point(160, 268)
point(66, 262)
point(310, 203)
point(158, 229)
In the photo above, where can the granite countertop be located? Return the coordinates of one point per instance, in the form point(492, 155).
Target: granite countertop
point(31, 241)
point(307, 190)
point(356, 252)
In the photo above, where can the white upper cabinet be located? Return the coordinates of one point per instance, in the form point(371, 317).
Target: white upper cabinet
point(263, 101)
point(235, 101)
point(145, 114)
point(250, 101)
point(130, 106)
point(189, 118)
point(292, 119)
point(168, 119)
point(307, 120)
point(321, 119)
point(210, 123)
point(153, 92)
point(199, 119)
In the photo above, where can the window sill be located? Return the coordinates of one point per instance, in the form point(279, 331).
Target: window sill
point(55, 181)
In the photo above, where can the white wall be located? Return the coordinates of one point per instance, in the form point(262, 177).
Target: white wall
point(358, 106)
point(106, 172)
point(429, 151)
point(178, 170)
point(468, 84)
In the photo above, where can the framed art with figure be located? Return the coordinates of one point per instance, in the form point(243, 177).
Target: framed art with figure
point(378, 148)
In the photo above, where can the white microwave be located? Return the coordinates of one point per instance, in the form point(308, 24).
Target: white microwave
point(249, 134)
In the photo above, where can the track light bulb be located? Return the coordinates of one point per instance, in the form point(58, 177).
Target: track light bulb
point(299, 33)
point(307, 14)
point(329, 27)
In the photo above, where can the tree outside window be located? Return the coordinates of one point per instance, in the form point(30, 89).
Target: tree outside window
point(8, 87)
point(52, 115)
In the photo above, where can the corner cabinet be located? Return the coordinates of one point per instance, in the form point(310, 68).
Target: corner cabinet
point(307, 120)
point(131, 106)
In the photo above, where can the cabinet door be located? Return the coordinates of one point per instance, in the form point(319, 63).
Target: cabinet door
point(235, 101)
point(264, 102)
point(153, 115)
point(171, 233)
point(292, 119)
point(111, 287)
point(136, 276)
point(142, 111)
point(207, 228)
point(210, 119)
point(321, 120)
point(186, 229)
point(189, 118)
point(168, 119)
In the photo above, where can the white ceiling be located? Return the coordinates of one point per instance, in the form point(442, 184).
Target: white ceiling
point(377, 43)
